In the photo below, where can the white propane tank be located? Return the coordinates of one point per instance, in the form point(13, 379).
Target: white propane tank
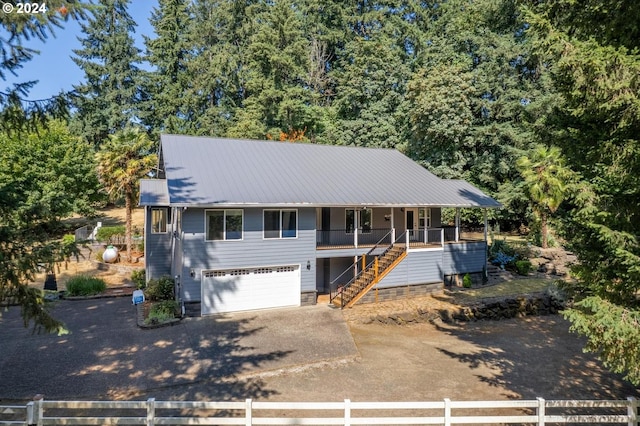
point(110, 254)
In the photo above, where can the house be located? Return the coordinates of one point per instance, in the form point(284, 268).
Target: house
point(246, 224)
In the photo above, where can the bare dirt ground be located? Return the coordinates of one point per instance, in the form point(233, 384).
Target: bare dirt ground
point(86, 264)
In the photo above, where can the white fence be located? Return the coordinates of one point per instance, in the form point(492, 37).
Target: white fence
point(249, 412)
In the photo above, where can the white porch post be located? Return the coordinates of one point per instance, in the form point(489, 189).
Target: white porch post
point(393, 228)
point(355, 227)
point(485, 224)
point(426, 225)
point(457, 224)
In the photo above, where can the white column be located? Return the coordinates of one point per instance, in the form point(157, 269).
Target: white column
point(457, 224)
point(355, 227)
point(393, 227)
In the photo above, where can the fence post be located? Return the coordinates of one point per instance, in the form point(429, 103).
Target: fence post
point(29, 419)
point(248, 410)
point(38, 410)
point(151, 411)
point(541, 411)
point(442, 237)
point(632, 411)
point(447, 412)
point(347, 412)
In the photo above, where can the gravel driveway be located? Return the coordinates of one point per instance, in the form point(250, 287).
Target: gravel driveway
point(302, 354)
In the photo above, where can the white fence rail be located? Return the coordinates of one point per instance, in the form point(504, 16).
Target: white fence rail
point(151, 412)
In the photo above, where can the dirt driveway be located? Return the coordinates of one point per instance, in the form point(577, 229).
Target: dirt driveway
point(518, 358)
point(235, 359)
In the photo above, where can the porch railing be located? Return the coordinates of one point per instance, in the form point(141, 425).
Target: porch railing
point(341, 238)
point(347, 238)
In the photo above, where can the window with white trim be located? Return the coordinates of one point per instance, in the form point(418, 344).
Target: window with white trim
point(280, 223)
point(223, 225)
point(158, 220)
point(424, 218)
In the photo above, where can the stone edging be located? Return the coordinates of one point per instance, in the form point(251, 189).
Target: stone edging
point(140, 320)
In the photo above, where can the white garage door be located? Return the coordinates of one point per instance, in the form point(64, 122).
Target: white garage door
point(245, 289)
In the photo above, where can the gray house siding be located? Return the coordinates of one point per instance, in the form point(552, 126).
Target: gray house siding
point(460, 258)
point(419, 267)
point(157, 249)
point(252, 251)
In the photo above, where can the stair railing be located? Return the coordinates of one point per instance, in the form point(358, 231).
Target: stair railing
point(336, 290)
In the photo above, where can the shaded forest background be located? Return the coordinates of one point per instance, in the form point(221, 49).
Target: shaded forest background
point(537, 103)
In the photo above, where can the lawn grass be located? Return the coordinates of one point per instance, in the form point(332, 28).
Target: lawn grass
point(507, 288)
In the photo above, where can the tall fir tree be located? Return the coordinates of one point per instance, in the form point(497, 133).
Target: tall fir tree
point(370, 73)
point(19, 113)
point(474, 97)
point(167, 107)
point(108, 99)
point(218, 36)
point(592, 50)
point(278, 98)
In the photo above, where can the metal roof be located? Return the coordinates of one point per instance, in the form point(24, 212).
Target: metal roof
point(204, 171)
point(153, 192)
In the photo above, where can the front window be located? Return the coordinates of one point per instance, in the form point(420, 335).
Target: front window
point(158, 221)
point(224, 225)
point(424, 218)
point(364, 220)
point(280, 223)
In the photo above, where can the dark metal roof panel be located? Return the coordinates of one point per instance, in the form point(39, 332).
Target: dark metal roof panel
point(211, 171)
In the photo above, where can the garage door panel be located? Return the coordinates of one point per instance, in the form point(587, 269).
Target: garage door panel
point(250, 288)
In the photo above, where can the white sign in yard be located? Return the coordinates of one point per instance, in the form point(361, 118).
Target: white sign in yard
point(138, 297)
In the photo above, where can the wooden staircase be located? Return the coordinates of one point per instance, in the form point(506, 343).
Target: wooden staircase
point(370, 275)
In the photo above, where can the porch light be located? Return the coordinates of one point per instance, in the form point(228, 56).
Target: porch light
point(308, 265)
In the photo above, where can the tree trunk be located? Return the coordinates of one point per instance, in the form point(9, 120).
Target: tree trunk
point(543, 226)
point(128, 207)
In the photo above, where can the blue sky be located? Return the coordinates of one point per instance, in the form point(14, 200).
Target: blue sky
point(54, 69)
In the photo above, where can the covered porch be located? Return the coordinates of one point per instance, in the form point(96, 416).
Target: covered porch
point(362, 227)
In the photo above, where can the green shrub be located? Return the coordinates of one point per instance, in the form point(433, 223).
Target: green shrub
point(466, 281)
point(523, 267)
point(162, 311)
point(160, 289)
point(82, 285)
point(500, 246)
point(139, 278)
point(106, 232)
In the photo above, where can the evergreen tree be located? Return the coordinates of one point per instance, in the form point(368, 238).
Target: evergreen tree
point(370, 74)
point(108, 99)
point(17, 112)
point(472, 101)
point(166, 86)
point(219, 35)
point(277, 95)
point(592, 50)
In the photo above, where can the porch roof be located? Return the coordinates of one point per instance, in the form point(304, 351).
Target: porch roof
point(153, 192)
point(208, 172)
